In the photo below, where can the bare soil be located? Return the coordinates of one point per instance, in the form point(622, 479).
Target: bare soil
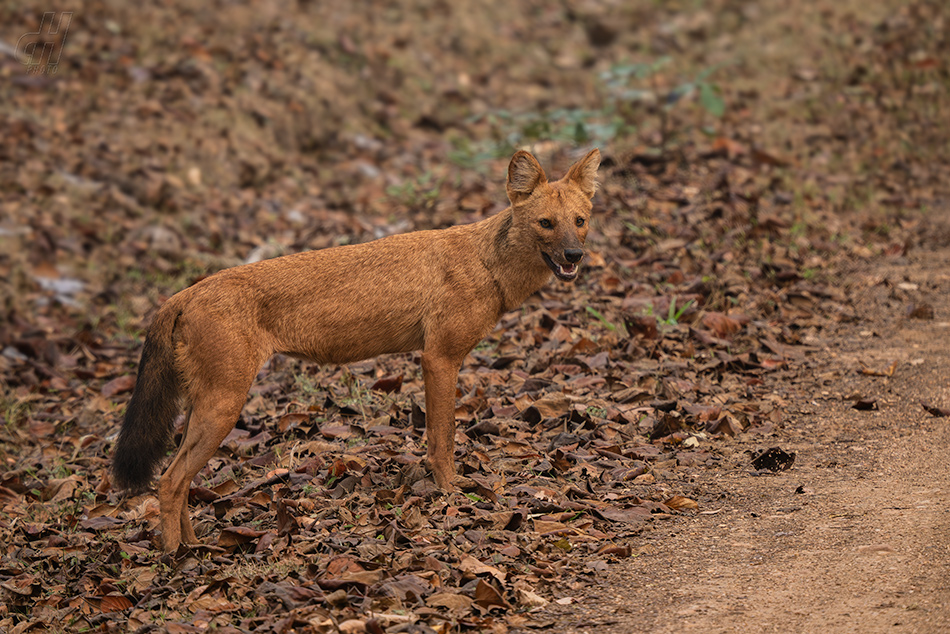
point(855, 536)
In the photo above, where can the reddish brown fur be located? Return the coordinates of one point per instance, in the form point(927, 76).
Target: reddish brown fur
point(439, 291)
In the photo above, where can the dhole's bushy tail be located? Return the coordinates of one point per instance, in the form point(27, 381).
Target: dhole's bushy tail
point(150, 417)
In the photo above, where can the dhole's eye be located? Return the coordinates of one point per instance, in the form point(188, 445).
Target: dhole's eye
point(544, 222)
point(579, 222)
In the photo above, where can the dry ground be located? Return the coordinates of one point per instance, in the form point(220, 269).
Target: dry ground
point(855, 537)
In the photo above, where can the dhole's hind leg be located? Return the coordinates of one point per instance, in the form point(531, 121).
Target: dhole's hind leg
point(213, 415)
point(187, 530)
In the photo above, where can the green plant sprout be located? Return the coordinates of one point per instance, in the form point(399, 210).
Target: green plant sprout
point(674, 314)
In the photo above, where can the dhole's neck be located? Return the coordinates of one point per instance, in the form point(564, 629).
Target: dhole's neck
point(512, 258)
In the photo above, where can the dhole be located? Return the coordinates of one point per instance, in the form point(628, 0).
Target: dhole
point(440, 291)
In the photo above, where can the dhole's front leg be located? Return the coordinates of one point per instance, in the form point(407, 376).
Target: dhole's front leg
point(441, 375)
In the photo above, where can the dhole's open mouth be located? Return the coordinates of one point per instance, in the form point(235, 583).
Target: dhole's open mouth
point(566, 272)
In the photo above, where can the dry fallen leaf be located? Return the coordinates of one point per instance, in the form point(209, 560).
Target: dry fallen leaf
point(773, 459)
point(452, 601)
point(474, 566)
point(487, 596)
point(114, 603)
point(936, 411)
point(721, 325)
point(529, 599)
point(920, 311)
point(118, 385)
point(871, 372)
point(678, 502)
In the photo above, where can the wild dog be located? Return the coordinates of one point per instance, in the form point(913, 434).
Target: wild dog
point(440, 291)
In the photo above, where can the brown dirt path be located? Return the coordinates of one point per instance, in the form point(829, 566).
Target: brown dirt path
point(855, 537)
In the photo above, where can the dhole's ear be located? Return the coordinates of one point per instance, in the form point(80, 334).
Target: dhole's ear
point(524, 176)
point(584, 173)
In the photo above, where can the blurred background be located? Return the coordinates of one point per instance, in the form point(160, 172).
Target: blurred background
point(153, 141)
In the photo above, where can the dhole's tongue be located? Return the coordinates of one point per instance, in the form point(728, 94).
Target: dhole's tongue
point(567, 269)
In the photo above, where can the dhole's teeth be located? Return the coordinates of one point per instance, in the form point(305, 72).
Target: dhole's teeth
point(567, 269)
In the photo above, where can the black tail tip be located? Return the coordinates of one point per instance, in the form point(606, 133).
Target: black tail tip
point(130, 474)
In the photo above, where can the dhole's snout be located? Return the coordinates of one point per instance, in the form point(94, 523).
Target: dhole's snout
point(567, 270)
point(573, 255)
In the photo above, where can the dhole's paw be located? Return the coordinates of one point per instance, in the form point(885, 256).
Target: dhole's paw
point(446, 481)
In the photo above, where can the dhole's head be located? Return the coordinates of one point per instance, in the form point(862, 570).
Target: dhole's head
point(553, 216)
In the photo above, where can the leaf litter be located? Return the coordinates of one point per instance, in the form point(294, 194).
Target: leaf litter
point(582, 419)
